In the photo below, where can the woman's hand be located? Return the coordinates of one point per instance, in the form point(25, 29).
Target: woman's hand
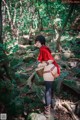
point(45, 63)
point(42, 64)
point(49, 62)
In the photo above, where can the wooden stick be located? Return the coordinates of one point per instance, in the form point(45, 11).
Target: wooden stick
point(29, 81)
point(66, 105)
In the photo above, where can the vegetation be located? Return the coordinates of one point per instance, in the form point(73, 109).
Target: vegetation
point(20, 88)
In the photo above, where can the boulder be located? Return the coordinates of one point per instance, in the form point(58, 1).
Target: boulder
point(36, 116)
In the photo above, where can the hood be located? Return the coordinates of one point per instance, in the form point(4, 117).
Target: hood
point(45, 47)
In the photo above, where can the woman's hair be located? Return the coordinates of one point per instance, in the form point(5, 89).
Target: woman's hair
point(41, 39)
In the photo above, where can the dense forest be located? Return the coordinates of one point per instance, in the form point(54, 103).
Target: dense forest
point(21, 89)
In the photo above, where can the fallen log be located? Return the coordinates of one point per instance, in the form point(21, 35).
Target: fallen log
point(75, 59)
point(29, 81)
point(72, 85)
point(65, 106)
point(28, 94)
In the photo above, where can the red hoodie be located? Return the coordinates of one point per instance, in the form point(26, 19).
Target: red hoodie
point(45, 55)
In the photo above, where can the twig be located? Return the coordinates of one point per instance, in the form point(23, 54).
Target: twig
point(66, 105)
point(29, 81)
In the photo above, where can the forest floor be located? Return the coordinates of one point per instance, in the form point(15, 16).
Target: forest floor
point(66, 98)
point(67, 93)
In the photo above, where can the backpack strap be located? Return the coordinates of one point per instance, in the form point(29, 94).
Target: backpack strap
point(50, 71)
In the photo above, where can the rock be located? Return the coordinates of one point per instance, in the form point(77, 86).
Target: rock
point(67, 54)
point(36, 116)
point(72, 64)
point(57, 57)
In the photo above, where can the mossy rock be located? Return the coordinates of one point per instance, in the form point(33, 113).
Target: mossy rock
point(36, 116)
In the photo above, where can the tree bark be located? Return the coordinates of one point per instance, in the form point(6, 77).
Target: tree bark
point(61, 32)
point(14, 30)
point(3, 63)
point(40, 22)
point(0, 23)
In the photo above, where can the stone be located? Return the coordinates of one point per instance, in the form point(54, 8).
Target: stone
point(36, 116)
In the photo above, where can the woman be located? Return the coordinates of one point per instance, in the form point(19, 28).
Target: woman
point(51, 69)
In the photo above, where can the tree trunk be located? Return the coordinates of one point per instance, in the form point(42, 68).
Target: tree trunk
point(11, 22)
point(65, 23)
point(40, 22)
point(0, 23)
point(4, 59)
